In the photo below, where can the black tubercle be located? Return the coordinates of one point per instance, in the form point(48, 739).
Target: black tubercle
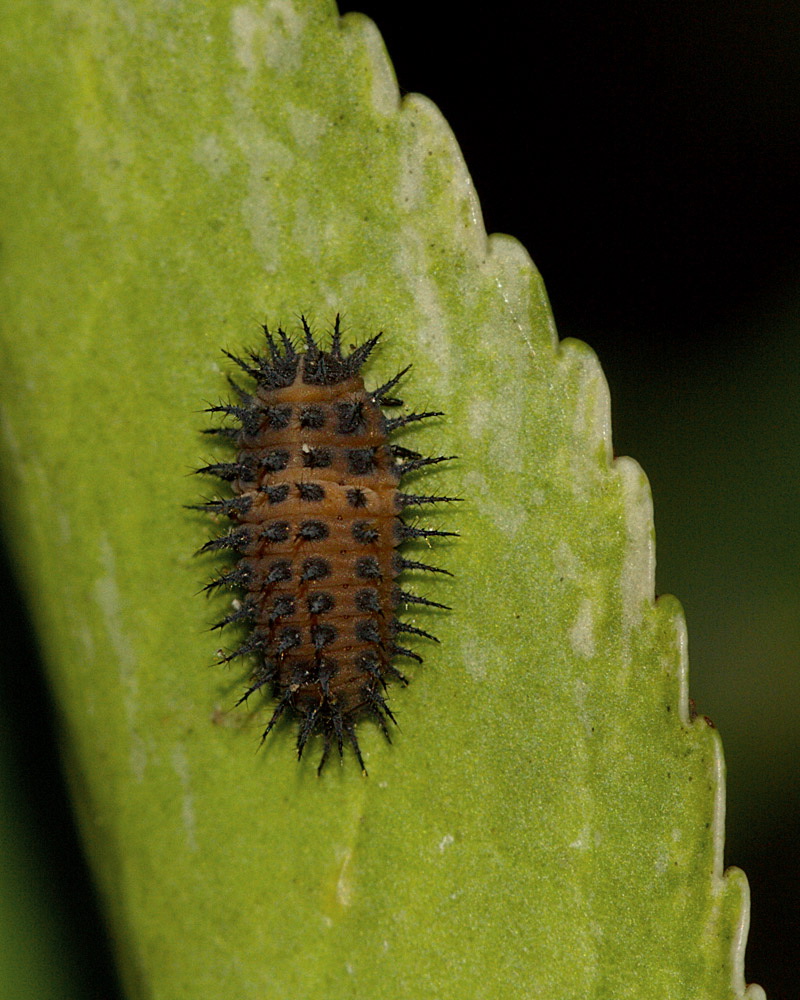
point(315, 568)
point(350, 417)
point(356, 497)
point(278, 417)
point(277, 493)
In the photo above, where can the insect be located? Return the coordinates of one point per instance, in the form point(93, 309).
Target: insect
point(317, 514)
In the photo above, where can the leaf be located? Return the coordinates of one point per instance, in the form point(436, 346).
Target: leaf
point(549, 816)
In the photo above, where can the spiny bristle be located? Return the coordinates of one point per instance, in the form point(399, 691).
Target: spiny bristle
point(255, 643)
point(403, 597)
point(410, 418)
point(356, 360)
point(405, 531)
point(227, 470)
point(247, 612)
point(256, 686)
point(311, 345)
point(336, 340)
point(401, 651)
point(412, 630)
point(420, 463)
point(402, 564)
point(232, 433)
point(412, 500)
point(238, 540)
point(231, 505)
point(238, 577)
point(252, 372)
point(377, 395)
point(244, 397)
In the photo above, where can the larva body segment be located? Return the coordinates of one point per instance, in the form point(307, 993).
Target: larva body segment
point(316, 512)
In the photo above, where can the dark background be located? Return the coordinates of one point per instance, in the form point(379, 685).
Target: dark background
point(647, 156)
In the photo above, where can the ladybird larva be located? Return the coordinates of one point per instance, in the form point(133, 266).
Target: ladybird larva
point(317, 527)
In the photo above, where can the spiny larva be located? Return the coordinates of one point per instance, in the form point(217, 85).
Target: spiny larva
point(317, 512)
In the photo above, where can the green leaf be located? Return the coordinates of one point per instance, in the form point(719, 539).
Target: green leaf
point(549, 817)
